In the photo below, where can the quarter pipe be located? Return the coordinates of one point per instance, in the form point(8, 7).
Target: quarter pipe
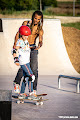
point(52, 59)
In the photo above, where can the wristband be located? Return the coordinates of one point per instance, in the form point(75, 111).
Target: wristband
point(16, 60)
point(13, 51)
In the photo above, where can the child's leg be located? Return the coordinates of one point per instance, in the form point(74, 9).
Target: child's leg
point(26, 68)
point(30, 86)
point(23, 86)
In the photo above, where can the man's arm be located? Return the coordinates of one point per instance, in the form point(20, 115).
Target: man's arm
point(40, 39)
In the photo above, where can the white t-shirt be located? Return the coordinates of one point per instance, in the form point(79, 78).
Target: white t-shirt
point(24, 51)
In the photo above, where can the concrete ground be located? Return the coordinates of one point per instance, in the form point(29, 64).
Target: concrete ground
point(64, 103)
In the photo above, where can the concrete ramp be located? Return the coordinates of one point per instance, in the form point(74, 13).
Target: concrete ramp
point(10, 28)
point(53, 58)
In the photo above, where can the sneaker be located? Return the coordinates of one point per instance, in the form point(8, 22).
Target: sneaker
point(22, 96)
point(32, 96)
point(16, 88)
point(34, 93)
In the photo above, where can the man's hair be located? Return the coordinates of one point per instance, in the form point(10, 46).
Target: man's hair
point(40, 14)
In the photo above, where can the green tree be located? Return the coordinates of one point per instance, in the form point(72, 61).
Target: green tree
point(7, 4)
point(26, 4)
point(52, 3)
point(34, 4)
point(78, 1)
point(19, 4)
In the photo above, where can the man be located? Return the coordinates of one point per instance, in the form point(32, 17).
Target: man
point(35, 25)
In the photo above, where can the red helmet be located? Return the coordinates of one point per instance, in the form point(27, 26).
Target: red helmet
point(24, 30)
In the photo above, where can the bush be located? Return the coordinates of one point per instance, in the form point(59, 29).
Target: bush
point(5, 12)
point(19, 5)
point(49, 10)
point(52, 3)
point(60, 11)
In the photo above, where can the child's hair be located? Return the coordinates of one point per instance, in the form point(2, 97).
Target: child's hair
point(20, 35)
point(40, 24)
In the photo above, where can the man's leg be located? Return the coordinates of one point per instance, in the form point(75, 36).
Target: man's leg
point(19, 76)
point(34, 66)
point(17, 80)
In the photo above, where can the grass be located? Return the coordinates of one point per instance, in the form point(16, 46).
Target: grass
point(75, 25)
point(16, 14)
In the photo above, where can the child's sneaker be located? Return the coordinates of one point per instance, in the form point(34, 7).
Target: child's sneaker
point(22, 96)
point(34, 93)
point(32, 96)
point(16, 88)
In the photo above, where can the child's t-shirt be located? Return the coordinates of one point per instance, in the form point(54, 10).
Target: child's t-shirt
point(24, 51)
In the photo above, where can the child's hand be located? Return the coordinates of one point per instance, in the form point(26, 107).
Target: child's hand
point(17, 64)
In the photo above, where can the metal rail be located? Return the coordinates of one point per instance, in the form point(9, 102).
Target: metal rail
point(70, 77)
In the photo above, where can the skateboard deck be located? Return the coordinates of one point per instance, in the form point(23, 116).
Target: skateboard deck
point(41, 94)
point(44, 94)
point(39, 100)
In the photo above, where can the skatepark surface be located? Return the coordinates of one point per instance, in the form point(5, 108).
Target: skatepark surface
point(64, 102)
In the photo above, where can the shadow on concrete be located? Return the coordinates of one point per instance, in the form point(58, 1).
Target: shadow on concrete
point(25, 102)
point(59, 89)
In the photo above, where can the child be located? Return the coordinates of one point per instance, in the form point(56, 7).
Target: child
point(23, 60)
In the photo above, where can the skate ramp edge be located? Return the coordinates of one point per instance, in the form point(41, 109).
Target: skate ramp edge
point(52, 58)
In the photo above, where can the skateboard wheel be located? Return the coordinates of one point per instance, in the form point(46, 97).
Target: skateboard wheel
point(37, 103)
point(41, 103)
point(18, 102)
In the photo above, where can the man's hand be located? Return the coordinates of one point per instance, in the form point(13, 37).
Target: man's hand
point(40, 44)
point(37, 48)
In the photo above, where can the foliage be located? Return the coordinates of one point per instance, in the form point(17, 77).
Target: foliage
point(52, 3)
point(19, 4)
point(78, 0)
point(25, 4)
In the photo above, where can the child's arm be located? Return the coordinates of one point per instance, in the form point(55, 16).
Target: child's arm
point(16, 61)
point(16, 38)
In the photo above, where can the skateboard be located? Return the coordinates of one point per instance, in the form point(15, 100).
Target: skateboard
point(41, 94)
point(39, 100)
